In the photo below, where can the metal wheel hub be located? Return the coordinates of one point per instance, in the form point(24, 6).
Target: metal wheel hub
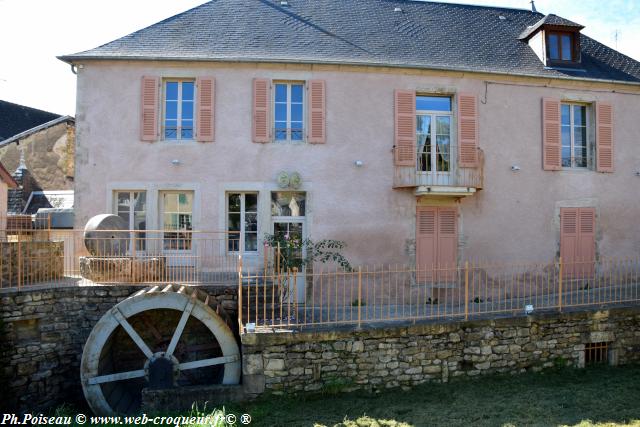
point(161, 371)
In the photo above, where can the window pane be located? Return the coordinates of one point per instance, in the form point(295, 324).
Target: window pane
point(433, 103)
point(140, 201)
point(288, 203)
point(171, 129)
point(251, 202)
point(187, 91)
point(580, 155)
point(171, 110)
point(566, 156)
point(443, 151)
point(234, 222)
point(296, 93)
point(251, 222)
point(281, 93)
point(187, 110)
point(579, 115)
point(234, 202)
point(566, 136)
point(296, 113)
point(172, 91)
point(187, 131)
point(443, 125)
point(566, 47)
point(579, 137)
point(553, 47)
point(566, 114)
point(251, 242)
point(281, 112)
point(296, 131)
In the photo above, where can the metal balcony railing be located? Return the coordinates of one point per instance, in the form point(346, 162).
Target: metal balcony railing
point(439, 169)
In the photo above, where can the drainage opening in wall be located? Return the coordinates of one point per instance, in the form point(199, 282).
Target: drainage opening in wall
point(596, 353)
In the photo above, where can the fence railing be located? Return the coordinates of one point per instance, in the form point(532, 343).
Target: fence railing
point(123, 257)
point(400, 293)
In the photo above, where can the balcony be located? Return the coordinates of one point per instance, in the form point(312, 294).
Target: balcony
point(438, 174)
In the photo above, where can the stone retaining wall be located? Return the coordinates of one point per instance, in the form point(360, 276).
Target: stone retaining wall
point(409, 355)
point(26, 263)
point(44, 333)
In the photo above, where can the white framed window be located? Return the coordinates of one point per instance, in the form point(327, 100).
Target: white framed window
point(242, 222)
point(178, 120)
point(132, 207)
point(288, 212)
point(433, 133)
point(575, 127)
point(288, 111)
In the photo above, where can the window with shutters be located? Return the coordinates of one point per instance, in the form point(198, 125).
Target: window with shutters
point(575, 122)
point(288, 111)
point(178, 109)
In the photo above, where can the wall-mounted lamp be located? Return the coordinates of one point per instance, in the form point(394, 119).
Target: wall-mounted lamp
point(638, 173)
point(515, 168)
point(175, 162)
point(358, 163)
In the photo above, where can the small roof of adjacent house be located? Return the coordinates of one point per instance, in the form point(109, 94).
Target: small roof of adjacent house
point(16, 118)
point(392, 33)
point(22, 135)
point(6, 177)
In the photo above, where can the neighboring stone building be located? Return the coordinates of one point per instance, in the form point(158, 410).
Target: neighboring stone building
point(48, 150)
point(16, 118)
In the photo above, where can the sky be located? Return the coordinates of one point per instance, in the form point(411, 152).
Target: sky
point(34, 32)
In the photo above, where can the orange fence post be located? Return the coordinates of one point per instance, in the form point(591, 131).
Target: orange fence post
point(359, 296)
point(560, 284)
point(466, 290)
point(240, 293)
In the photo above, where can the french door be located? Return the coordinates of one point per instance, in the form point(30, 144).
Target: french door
point(176, 223)
point(433, 135)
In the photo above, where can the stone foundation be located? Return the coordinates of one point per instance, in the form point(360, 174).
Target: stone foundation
point(405, 356)
point(123, 269)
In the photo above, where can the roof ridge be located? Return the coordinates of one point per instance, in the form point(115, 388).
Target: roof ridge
point(483, 6)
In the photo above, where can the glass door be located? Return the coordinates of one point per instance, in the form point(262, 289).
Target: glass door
point(433, 134)
point(176, 218)
point(131, 206)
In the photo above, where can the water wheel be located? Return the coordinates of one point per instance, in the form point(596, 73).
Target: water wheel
point(160, 337)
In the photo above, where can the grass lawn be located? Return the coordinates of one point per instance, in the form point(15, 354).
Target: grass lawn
point(586, 397)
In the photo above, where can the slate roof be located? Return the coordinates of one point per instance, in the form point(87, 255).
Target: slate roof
point(367, 32)
point(16, 118)
point(25, 134)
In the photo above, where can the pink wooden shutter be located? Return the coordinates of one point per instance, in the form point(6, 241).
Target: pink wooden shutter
point(569, 240)
point(604, 137)
point(586, 245)
point(467, 130)
point(551, 143)
point(426, 242)
point(149, 109)
point(317, 112)
point(205, 104)
point(405, 123)
point(261, 111)
point(447, 243)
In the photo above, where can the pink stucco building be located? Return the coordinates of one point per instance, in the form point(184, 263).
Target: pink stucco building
point(410, 130)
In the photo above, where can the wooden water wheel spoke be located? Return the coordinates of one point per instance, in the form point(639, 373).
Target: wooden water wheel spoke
point(132, 332)
point(209, 362)
point(181, 324)
point(120, 376)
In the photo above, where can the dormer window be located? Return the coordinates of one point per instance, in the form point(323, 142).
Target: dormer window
point(560, 46)
point(555, 40)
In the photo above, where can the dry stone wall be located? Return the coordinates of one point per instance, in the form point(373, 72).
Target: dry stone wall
point(406, 356)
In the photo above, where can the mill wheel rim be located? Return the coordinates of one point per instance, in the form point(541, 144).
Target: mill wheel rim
point(180, 299)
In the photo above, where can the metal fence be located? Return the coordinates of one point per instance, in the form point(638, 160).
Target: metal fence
point(372, 294)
